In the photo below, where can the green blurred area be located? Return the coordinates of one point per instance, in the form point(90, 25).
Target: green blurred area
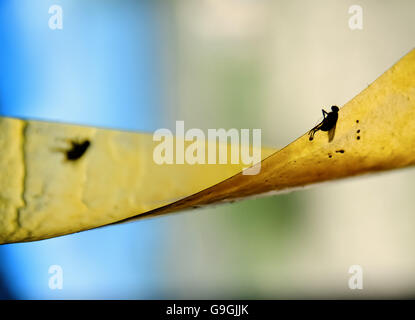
point(274, 65)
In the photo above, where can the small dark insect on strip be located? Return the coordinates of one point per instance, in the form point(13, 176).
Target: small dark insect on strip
point(328, 124)
point(77, 151)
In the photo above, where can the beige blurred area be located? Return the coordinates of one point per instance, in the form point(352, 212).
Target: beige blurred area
point(274, 65)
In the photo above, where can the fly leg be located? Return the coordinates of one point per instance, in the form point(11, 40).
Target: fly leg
point(312, 132)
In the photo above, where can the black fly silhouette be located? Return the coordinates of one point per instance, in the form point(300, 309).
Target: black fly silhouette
point(328, 124)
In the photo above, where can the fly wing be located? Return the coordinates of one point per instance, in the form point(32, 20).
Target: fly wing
point(331, 132)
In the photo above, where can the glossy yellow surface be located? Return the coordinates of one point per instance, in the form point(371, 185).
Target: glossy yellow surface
point(43, 195)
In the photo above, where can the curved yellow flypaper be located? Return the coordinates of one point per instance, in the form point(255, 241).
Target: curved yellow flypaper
point(46, 191)
point(43, 194)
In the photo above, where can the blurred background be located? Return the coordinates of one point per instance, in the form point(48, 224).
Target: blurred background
point(142, 65)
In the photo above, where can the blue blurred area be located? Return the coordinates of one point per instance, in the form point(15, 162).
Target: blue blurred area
point(101, 69)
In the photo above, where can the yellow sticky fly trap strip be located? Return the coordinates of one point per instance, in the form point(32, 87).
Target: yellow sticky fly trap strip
point(57, 179)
